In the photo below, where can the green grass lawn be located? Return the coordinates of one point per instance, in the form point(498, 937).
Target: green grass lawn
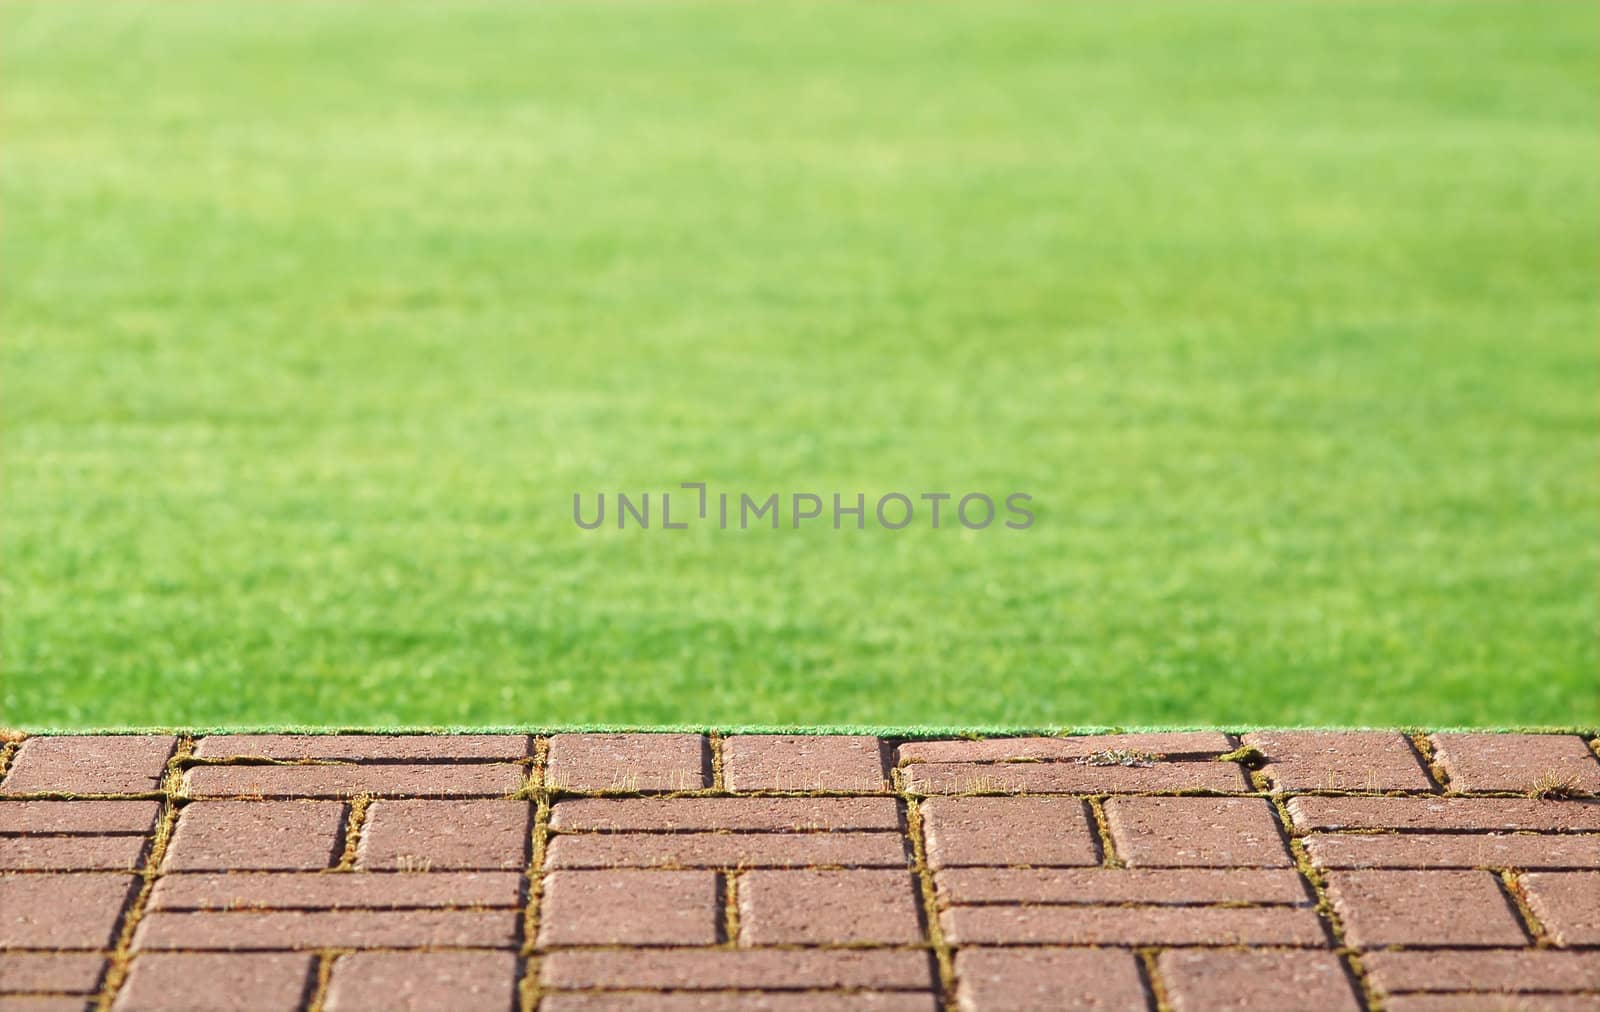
point(316, 315)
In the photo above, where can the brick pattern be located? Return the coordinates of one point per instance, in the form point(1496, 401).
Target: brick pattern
point(794, 872)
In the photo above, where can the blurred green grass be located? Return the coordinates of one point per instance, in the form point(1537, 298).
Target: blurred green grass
point(316, 315)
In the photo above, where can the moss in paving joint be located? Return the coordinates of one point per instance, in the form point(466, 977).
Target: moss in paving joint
point(944, 959)
point(1102, 831)
point(528, 988)
point(1423, 745)
point(321, 977)
point(1517, 897)
point(728, 924)
point(122, 952)
point(355, 823)
point(718, 778)
point(1150, 972)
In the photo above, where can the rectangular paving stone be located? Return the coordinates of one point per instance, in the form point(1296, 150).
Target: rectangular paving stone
point(98, 817)
point(68, 911)
point(803, 762)
point(1072, 778)
point(297, 890)
point(1043, 978)
point(1489, 1003)
point(1340, 760)
point(1567, 904)
point(47, 1003)
point(1196, 832)
point(366, 747)
point(816, 907)
point(1166, 743)
point(726, 850)
point(1122, 885)
point(740, 1001)
point(445, 780)
point(1008, 831)
point(745, 969)
point(628, 762)
point(738, 814)
point(300, 930)
point(1436, 813)
point(1454, 850)
point(1506, 970)
point(71, 853)
point(256, 835)
point(630, 907)
point(1084, 925)
point(56, 972)
point(446, 835)
point(210, 982)
point(1202, 979)
point(89, 764)
point(423, 981)
point(1454, 908)
point(1516, 762)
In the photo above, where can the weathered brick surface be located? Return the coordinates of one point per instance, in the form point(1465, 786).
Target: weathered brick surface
point(71, 911)
point(773, 762)
point(1196, 833)
point(79, 817)
point(1516, 762)
point(300, 930)
point(1340, 760)
point(629, 762)
point(749, 969)
point(1084, 925)
point(295, 890)
point(46, 1003)
point(1504, 970)
point(1260, 980)
point(213, 982)
point(1490, 1003)
point(444, 780)
point(1438, 813)
point(712, 814)
point(1122, 885)
point(630, 907)
point(446, 835)
point(1460, 908)
point(56, 972)
point(1042, 978)
point(1454, 850)
point(1008, 831)
point(727, 897)
point(72, 853)
point(741, 1001)
point(366, 747)
point(1192, 744)
point(277, 835)
point(423, 982)
point(89, 764)
point(1072, 778)
point(1567, 904)
point(726, 850)
point(818, 907)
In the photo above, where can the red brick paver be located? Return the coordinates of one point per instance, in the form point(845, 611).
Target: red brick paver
point(89, 764)
point(1517, 762)
point(798, 762)
point(446, 835)
point(422, 982)
point(1258, 980)
point(1340, 760)
point(790, 872)
point(1465, 908)
point(216, 982)
point(1041, 978)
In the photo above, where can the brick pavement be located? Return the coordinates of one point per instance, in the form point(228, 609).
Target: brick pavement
point(1170, 871)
